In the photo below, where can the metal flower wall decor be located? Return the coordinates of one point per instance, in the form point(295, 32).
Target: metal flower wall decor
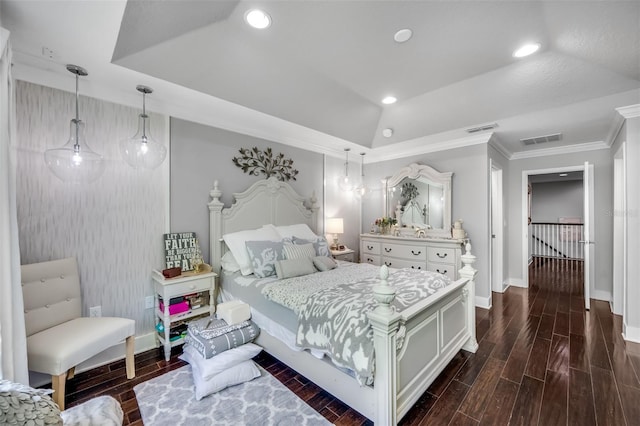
point(256, 162)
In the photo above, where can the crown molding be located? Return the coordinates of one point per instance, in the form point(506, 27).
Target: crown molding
point(630, 111)
point(616, 126)
point(420, 146)
point(498, 146)
point(559, 150)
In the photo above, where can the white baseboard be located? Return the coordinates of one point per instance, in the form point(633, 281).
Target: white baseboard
point(630, 334)
point(516, 282)
point(602, 295)
point(483, 302)
point(143, 343)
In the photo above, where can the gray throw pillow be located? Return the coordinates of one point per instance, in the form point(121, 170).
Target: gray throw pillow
point(320, 244)
point(264, 255)
point(294, 267)
point(324, 263)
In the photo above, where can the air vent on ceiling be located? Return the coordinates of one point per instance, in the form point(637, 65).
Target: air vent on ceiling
point(542, 139)
point(482, 128)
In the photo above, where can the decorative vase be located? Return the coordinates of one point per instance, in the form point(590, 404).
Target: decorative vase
point(384, 229)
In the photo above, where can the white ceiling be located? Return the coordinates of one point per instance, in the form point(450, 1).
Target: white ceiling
point(315, 78)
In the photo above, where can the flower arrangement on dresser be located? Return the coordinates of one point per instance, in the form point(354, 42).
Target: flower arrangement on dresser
point(385, 223)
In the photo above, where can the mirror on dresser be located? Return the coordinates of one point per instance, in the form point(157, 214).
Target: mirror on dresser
point(419, 196)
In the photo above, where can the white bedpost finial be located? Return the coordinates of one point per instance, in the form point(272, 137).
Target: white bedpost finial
point(215, 193)
point(384, 293)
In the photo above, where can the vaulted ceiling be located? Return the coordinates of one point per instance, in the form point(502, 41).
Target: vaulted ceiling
point(324, 66)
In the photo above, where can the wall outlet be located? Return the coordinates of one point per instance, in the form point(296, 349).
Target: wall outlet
point(148, 302)
point(95, 311)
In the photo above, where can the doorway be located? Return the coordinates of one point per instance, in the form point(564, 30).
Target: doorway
point(618, 305)
point(496, 227)
point(565, 232)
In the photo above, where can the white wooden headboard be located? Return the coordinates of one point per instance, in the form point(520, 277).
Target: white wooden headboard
point(266, 201)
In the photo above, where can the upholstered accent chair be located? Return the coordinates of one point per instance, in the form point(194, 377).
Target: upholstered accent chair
point(58, 337)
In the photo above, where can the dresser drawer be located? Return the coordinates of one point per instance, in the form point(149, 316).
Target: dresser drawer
point(373, 259)
point(370, 247)
point(392, 262)
point(412, 253)
point(443, 255)
point(447, 269)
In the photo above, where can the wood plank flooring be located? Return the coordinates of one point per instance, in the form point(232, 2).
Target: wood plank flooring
point(542, 360)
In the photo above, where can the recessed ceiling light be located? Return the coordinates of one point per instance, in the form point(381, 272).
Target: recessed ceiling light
point(403, 35)
point(388, 132)
point(258, 19)
point(389, 100)
point(563, 174)
point(526, 50)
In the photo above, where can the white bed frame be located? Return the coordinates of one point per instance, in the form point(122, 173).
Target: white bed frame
point(411, 347)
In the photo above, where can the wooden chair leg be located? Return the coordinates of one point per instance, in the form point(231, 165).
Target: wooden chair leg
point(131, 366)
point(71, 373)
point(58, 384)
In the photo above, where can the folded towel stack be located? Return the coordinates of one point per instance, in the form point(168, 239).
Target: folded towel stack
point(220, 353)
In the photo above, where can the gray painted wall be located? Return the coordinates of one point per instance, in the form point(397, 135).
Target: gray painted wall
point(470, 195)
point(553, 200)
point(113, 226)
point(202, 154)
point(603, 184)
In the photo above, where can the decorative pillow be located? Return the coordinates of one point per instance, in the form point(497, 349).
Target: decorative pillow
point(243, 372)
point(294, 267)
point(217, 364)
point(236, 243)
point(324, 263)
point(229, 263)
point(20, 403)
point(299, 251)
point(263, 255)
point(300, 230)
point(212, 342)
point(319, 243)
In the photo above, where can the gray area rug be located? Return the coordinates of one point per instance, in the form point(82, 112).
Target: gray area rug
point(170, 400)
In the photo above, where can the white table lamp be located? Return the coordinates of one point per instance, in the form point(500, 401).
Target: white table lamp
point(335, 226)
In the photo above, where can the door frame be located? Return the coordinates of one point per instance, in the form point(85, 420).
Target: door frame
point(496, 236)
point(620, 241)
point(525, 211)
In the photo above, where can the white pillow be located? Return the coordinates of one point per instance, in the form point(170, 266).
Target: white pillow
point(299, 251)
point(243, 372)
point(229, 263)
point(217, 364)
point(300, 230)
point(236, 243)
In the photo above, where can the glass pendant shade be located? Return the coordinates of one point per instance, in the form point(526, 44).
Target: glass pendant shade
point(362, 189)
point(74, 161)
point(345, 183)
point(142, 151)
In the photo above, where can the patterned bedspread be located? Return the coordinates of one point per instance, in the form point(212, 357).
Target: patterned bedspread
point(335, 320)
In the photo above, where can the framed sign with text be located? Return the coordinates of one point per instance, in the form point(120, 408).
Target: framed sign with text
point(180, 249)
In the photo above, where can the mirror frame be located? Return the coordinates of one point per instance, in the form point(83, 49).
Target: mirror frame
point(415, 171)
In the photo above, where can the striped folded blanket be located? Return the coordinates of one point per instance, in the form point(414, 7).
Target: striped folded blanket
point(211, 336)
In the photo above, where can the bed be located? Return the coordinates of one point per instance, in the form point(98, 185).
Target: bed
point(411, 347)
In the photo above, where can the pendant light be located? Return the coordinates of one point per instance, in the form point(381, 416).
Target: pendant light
point(345, 183)
point(142, 150)
point(75, 162)
point(362, 190)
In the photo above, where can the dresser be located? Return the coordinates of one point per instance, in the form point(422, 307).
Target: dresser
point(431, 254)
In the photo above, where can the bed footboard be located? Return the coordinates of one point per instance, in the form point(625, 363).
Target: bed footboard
point(413, 347)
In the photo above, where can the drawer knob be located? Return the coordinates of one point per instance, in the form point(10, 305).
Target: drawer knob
point(370, 260)
point(369, 247)
point(387, 249)
point(442, 272)
point(387, 263)
point(441, 256)
point(416, 254)
point(414, 267)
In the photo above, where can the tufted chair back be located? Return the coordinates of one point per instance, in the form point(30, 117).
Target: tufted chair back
point(51, 292)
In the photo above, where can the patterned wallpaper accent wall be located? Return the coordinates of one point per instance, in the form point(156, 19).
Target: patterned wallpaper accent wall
point(113, 226)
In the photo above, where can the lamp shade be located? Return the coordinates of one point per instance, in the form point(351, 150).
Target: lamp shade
point(335, 225)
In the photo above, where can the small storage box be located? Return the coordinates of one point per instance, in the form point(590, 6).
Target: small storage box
point(176, 308)
point(233, 312)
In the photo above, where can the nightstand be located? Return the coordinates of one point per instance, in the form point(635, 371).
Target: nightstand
point(346, 254)
point(165, 289)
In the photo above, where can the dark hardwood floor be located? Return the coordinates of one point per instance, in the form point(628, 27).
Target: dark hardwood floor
point(543, 360)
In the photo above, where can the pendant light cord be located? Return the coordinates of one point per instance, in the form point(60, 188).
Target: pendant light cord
point(76, 146)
